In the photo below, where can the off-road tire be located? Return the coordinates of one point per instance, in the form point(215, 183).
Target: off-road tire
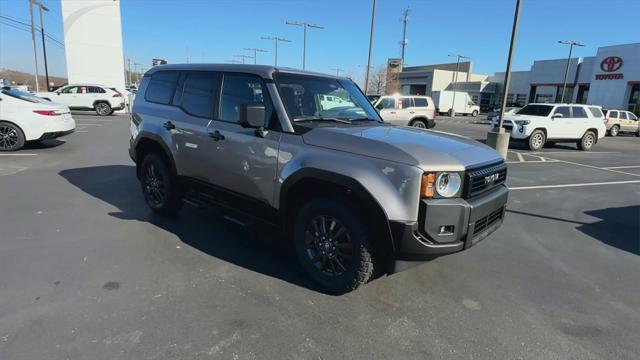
point(169, 201)
point(536, 140)
point(588, 140)
point(361, 267)
point(11, 137)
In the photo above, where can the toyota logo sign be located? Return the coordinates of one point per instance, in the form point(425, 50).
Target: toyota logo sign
point(611, 64)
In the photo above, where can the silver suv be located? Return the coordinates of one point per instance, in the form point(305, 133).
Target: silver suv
point(358, 197)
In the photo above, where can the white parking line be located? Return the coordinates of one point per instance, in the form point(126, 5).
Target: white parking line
point(573, 185)
point(622, 167)
point(18, 154)
point(532, 161)
point(81, 131)
point(595, 167)
point(571, 152)
point(91, 124)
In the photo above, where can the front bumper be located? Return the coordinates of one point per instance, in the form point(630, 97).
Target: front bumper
point(466, 222)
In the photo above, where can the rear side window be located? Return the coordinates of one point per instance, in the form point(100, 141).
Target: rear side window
point(198, 93)
point(613, 114)
point(578, 112)
point(420, 102)
point(238, 89)
point(595, 112)
point(161, 87)
point(623, 115)
point(95, 90)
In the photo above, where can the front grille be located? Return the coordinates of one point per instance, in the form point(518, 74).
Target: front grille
point(483, 179)
point(487, 221)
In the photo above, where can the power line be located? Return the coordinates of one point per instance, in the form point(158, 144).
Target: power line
point(52, 41)
point(27, 25)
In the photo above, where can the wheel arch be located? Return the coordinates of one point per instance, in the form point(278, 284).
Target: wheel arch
point(147, 143)
point(16, 125)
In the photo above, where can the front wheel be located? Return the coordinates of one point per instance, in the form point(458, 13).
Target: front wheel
point(103, 109)
point(159, 186)
point(474, 113)
point(11, 137)
point(537, 140)
point(333, 245)
point(587, 141)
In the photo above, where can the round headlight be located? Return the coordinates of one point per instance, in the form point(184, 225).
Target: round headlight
point(448, 184)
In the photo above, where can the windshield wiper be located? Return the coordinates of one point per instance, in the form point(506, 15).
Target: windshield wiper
point(320, 118)
point(364, 119)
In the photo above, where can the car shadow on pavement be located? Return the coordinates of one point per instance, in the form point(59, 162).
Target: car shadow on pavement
point(262, 250)
point(45, 144)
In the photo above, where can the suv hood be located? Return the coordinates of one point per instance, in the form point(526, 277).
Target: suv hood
point(426, 149)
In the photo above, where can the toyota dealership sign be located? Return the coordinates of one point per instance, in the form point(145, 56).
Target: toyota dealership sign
point(610, 65)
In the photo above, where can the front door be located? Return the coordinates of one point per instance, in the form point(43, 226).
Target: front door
point(561, 126)
point(239, 160)
point(387, 109)
point(632, 123)
point(68, 96)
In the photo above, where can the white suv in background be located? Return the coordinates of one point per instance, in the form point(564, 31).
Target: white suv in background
point(416, 111)
point(103, 100)
point(539, 123)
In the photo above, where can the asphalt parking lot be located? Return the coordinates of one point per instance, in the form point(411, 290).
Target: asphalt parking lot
point(88, 272)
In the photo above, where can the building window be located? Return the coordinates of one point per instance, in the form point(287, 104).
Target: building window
point(521, 99)
point(583, 94)
point(634, 100)
point(568, 94)
point(544, 98)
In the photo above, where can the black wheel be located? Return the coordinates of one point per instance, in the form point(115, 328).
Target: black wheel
point(537, 140)
point(474, 113)
point(159, 185)
point(332, 245)
point(11, 137)
point(587, 141)
point(103, 109)
point(614, 131)
point(420, 124)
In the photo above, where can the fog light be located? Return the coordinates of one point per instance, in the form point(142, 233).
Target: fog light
point(446, 230)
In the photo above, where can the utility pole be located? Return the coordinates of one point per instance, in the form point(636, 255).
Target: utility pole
point(404, 42)
point(129, 70)
point(571, 44)
point(366, 77)
point(337, 69)
point(255, 53)
point(497, 138)
point(305, 25)
point(135, 69)
point(243, 57)
point(44, 47)
point(275, 39)
point(452, 112)
point(33, 39)
point(233, 61)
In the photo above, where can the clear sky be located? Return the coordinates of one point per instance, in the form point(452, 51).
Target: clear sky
point(215, 30)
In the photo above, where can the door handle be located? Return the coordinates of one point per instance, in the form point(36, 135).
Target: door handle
point(216, 135)
point(169, 125)
point(392, 112)
point(412, 112)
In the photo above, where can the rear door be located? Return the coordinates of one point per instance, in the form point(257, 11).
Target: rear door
point(580, 120)
point(421, 107)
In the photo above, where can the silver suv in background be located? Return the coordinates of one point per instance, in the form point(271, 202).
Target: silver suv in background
point(356, 196)
point(621, 121)
point(416, 111)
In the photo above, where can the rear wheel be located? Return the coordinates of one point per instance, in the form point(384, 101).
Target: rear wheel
point(11, 137)
point(614, 131)
point(587, 141)
point(419, 123)
point(159, 185)
point(332, 245)
point(103, 109)
point(537, 140)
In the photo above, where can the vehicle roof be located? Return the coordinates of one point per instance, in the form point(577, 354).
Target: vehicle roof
point(265, 71)
point(84, 84)
point(566, 104)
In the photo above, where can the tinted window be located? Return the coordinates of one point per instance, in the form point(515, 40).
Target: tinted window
point(198, 93)
point(623, 115)
point(242, 89)
point(420, 102)
point(596, 112)
point(632, 117)
point(161, 87)
point(564, 110)
point(95, 90)
point(386, 103)
point(578, 112)
point(536, 110)
point(70, 90)
point(404, 103)
point(613, 114)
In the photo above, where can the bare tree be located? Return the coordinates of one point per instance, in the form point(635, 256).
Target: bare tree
point(378, 80)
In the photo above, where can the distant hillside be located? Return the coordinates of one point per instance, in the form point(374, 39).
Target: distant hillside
point(24, 78)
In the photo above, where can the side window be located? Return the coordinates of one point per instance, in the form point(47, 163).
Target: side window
point(386, 103)
point(404, 103)
point(161, 87)
point(95, 90)
point(70, 90)
point(238, 89)
point(420, 102)
point(578, 112)
point(197, 96)
point(595, 112)
point(633, 117)
point(613, 114)
point(623, 115)
point(564, 110)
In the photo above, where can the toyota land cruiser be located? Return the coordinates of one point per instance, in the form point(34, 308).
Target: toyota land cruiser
point(357, 196)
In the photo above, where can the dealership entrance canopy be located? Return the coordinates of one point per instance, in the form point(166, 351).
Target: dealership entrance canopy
point(610, 79)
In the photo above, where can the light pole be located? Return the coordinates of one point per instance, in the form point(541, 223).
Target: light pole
point(304, 25)
point(44, 47)
point(452, 112)
point(275, 39)
point(571, 44)
point(33, 39)
point(255, 53)
point(497, 138)
point(373, 19)
point(243, 57)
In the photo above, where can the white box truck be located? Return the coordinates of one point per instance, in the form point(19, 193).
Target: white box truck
point(464, 105)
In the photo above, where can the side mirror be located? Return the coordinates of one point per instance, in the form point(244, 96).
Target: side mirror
point(557, 115)
point(58, 92)
point(252, 116)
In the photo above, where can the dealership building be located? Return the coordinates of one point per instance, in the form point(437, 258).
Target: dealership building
point(611, 79)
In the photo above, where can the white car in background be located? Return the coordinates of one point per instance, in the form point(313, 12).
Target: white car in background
point(413, 110)
point(25, 117)
point(538, 123)
point(103, 100)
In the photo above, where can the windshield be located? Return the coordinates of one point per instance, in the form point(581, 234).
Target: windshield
point(23, 96)
point(309, 97)
point(536, 110)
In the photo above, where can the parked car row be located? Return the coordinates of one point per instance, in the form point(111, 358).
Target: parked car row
point(101, 99)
